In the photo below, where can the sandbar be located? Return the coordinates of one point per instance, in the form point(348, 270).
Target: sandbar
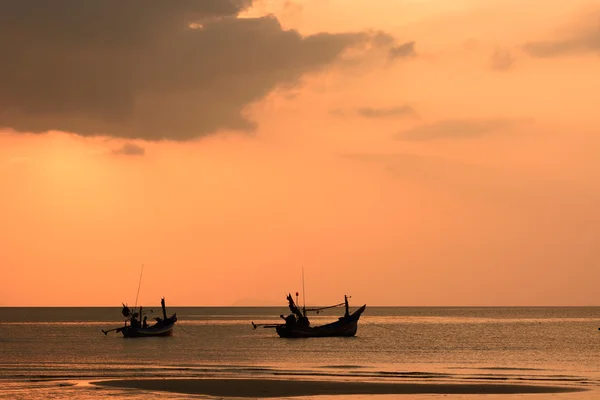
point(263, 388)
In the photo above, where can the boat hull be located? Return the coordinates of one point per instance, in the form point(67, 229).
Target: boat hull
point(164, 328)
point(344, 327)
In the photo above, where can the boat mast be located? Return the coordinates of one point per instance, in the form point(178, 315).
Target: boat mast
point(164, 309)
point(138, 291)
point(303, 294)
point(347, 314)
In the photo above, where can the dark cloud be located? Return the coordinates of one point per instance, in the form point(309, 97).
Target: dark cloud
point(383, 39)
point(147, 69)
point(502, 60)
point(585, 38)
point(458, 128)
point(130, 149)
point(403, 50)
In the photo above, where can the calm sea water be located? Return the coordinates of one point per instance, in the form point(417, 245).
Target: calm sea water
point(56, 352)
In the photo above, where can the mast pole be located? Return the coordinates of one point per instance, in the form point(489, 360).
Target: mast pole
point(303, 293)
point(347, 306)
point(139, 286)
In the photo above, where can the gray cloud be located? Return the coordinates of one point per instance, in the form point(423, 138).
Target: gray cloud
point(403, 50)
point(583, 44)
point(502, 60)
point(458, 128)
point(585, 38)
point(130, 149)
point(139, 69)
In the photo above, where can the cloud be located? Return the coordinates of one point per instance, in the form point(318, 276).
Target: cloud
point(580, 44)
point(458, 128)
point(502, 60)
point(379, 113)
point(391, 112)
point(292, 7)
point(585, 38)
point(130, 149)
point(148, 69)
point(403, 50)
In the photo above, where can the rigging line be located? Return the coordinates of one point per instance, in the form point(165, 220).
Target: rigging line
point(139, 286)
point(382, 326)
point(189, 333)
point(325, 308)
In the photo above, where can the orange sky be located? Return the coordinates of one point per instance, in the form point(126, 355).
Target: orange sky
point(463, 174)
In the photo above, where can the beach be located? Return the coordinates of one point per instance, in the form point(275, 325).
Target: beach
point(265, 388)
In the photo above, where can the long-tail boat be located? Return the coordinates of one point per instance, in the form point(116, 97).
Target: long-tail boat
point(139, 327)
point(297, 324)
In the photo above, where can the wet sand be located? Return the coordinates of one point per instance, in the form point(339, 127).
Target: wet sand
point(289, 388)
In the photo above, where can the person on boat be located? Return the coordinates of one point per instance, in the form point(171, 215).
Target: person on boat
point(145, 323)
point(296, 318)
point(303, 322)
point(290, 320)
point(134, 321)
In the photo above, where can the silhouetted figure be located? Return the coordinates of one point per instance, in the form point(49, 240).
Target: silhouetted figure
point(290, 320)
point(134, 321)
point(145, 323)
point(303, 322)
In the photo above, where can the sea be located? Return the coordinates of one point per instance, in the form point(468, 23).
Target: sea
point(58, 353)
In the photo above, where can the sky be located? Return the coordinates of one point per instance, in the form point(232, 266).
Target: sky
point(403, 152)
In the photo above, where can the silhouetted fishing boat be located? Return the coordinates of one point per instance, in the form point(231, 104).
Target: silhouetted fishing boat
point(139, 327)
point(297, 324)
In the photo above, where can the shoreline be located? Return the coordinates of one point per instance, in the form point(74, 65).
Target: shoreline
point(264, 388)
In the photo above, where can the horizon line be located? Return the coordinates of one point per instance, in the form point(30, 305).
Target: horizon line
point(285, 306)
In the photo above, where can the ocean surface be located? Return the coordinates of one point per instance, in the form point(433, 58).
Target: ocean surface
point(57, 352)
